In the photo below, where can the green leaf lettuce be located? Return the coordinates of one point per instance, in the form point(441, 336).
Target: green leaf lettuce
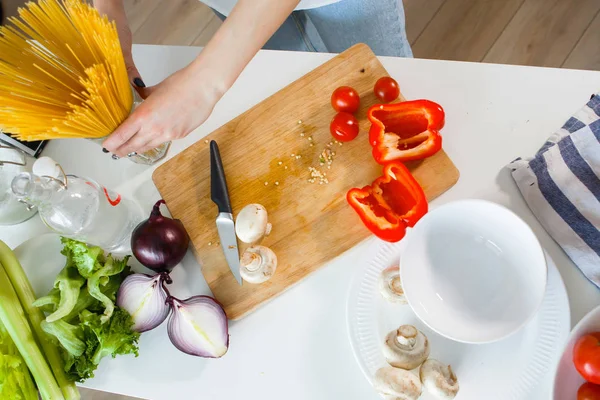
point(84, 319)
point(101, 278)
point(86, 258)
point(68, 282)
point(101, 339)
point(114, 337)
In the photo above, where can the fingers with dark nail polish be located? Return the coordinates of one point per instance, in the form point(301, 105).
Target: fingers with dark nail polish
point(139, 83)
point(104, 150)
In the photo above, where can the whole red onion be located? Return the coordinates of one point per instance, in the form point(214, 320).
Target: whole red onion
point(159, 243)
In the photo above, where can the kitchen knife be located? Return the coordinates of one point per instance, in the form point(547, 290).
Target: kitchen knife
point(225, 225)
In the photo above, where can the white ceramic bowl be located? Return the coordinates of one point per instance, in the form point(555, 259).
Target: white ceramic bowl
point(473, 271)
point(567, 380)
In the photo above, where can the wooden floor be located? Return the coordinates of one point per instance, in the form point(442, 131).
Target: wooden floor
point(550, 33)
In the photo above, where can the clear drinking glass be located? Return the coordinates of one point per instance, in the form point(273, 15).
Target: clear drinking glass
point(149, 157)
point(12, 211)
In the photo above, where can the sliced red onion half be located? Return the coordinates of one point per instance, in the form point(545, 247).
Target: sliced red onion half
point(145, 299)
point(198, 326)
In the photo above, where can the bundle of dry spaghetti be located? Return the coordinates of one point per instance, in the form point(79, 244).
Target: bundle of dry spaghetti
point(62, 73)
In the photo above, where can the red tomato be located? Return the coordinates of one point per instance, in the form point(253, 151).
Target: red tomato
point(586, 357)
point(386, 89)
point(345, 99)
point(344, 127)
point(588, 391)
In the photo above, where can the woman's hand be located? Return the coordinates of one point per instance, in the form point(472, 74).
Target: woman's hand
point(183, 101)
point(173, 108)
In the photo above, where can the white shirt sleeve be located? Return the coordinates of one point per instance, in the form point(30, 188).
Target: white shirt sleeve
point(225, 6)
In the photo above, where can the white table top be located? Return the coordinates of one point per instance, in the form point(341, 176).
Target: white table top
point(296, 346)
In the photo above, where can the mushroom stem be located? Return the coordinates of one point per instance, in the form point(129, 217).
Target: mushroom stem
point(451, 374)
point(252, 261)
point(406, 336)
point(258, 264)
point(395, 284)
point(406, 347)
point(405, 342)
point(390, 285)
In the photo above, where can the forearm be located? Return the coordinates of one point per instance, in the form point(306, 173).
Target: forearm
point(242, 35)
point(184, 100)
point(115, 11)
point(112, 8)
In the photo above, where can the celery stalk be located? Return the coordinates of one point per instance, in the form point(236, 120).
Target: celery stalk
point(16, 324)
point(26, 296)
point(15, 380)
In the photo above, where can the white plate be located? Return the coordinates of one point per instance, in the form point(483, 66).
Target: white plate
point(41, 260)
point(567, 379)
point(507, 369)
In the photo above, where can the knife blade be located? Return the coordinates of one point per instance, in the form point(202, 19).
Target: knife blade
point(225, 225)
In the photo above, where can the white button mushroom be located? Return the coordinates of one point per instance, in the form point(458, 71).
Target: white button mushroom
point(406, 347)
point(397, 384)
point(390, 285)
point(258, 264)
point(439, 379)
point(251, 224)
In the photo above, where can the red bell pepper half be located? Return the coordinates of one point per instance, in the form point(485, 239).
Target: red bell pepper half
point(391, 203)
point(405, 131)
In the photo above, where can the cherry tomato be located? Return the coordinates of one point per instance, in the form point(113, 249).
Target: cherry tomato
point(588, 391)
point(345, 99)
point(386, 89)
point(586, 357)
point(344, 127)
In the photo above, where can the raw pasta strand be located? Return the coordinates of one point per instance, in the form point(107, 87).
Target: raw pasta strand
point(62, 73)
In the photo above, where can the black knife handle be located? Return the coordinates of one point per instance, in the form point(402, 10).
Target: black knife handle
point(218, 184)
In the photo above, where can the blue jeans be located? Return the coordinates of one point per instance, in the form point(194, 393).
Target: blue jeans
point(336, 27)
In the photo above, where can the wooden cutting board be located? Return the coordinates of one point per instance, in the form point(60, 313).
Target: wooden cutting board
point(267, 152)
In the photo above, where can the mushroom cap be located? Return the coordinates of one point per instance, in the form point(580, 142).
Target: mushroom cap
point(406, 347)
point(390, 286)
point(251, 223)
point(258, 264)
point(439, 379)
point(397, 384)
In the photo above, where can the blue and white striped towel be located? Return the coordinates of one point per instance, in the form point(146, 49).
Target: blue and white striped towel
point(561, 185)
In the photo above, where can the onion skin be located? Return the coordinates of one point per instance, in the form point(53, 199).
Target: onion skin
point(159, 243)
point(144, 297)
point(198, 326)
